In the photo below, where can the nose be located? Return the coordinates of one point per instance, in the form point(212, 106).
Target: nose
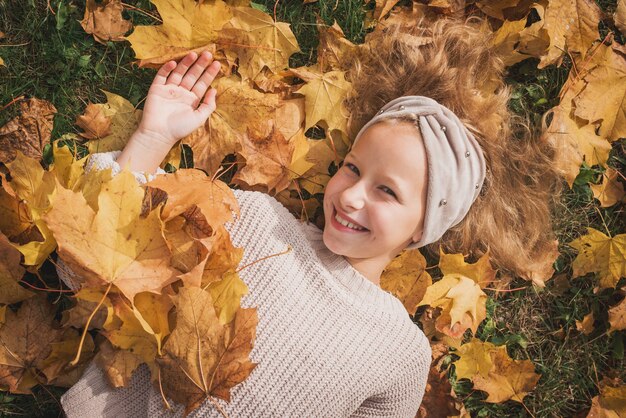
point(353, 197)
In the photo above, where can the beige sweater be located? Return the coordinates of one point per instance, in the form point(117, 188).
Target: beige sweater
point(329, 343)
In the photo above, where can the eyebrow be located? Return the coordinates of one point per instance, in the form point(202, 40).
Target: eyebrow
point(397, 186)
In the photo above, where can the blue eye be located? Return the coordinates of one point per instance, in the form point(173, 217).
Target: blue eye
point(388, 190)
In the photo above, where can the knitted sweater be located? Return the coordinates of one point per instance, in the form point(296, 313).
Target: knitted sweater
point(330, 343)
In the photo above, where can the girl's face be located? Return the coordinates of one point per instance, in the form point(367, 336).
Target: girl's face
point(381, 189)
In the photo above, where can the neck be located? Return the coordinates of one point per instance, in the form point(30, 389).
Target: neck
point(371, 268)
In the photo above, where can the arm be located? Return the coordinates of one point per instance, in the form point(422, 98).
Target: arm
point(179, 101)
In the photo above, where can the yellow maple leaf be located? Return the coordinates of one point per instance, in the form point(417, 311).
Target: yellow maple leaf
point(480, 271)
point(66, 167)
point(114, 245)
point(600, 254)
point(610, 191)
point(406, 277)
point(187, 26)
point(610, 403)
point(474, 359)
point(508, 379)
point(572, 26)
point(258, 41)
point(226, 294)
point(606, 80)
point(324, 94)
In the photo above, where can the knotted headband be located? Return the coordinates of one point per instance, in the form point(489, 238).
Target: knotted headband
point(456, 164)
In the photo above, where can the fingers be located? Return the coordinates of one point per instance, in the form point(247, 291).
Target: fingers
point(208, 105)
point(203, 83)
point(177, 75)
point(164, 71)
point(194, 73)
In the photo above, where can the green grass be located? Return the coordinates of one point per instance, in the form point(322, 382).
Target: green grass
point(51, 57)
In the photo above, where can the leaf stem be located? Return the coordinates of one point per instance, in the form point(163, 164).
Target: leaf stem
point(82, 338)
point(266, 257)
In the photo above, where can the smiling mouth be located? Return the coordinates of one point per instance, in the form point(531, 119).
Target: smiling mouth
point(344, 224)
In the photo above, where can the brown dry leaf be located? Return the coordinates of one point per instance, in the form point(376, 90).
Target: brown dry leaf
point(617, 316)
point(224, 257)
point(429, 319)
point(188, 187)
point(481, 271)
point(572, 26)
point(462, 302)
point(114, 245)
point(603, 99)
point(610, 403)
point(11, 272)
point(504, 9)
point(86, 302)
point(620, 16)
point(438, 400)
point(406, 277)
point(187, 26)
point(26, 339)
point(104, 21)
point(600, 254)
point(118, 365)
point(610, 191)
point(94, 122)
point(508, 379)
point(334, 51)
point(239, 108)
point(258, 41)
point(267, 161)
point(541, 268)
point(29, 132)
point(383, 7)
point(124, 121)
point(586, 325)
point(324, 93)
point(574, 138)
point(203, 358)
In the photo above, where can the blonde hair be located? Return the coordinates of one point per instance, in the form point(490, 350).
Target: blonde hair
point(458, 68)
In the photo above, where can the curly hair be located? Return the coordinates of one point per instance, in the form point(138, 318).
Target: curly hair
point(457, 67)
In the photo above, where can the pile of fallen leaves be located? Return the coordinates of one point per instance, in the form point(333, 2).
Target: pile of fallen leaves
point(155, 275)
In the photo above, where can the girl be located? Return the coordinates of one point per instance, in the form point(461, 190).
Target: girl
point(434, 162)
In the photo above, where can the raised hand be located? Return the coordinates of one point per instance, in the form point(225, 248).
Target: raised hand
point(178, 101)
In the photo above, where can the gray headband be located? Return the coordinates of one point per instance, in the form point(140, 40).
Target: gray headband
point(456, 165)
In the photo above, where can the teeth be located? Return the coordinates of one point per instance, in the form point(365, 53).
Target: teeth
point(348, 224)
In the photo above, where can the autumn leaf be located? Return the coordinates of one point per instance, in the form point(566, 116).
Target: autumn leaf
point(324, 94)
point(29, 132)
point(26, 339)
point(607, 80)
point(240, 109)
point(104, 21)
point(56, 366)
point(600, 254)
point(406, 277)
point(94, 122)
point(572, 26)
point(610, 191)
point(117, 365)
point(474, 359)
point(462, 303)
point(114, 245)
point(203, 358)
point(226, 294)
point(11, 272)
point(480, 271)
point(67, 169)
point(586, 325)
point(86, 302)
point(617, 316)
point(334, 51)
point(258, 41)
point(508, 379)
point(267, 162)
point(620, 16)
point(503, 9)
point(124, 121)
point(187, 26)
point(438, 400)
point(610, 403)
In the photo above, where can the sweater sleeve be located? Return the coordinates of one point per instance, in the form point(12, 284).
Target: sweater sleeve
point(100, 161)
point(403, 397)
